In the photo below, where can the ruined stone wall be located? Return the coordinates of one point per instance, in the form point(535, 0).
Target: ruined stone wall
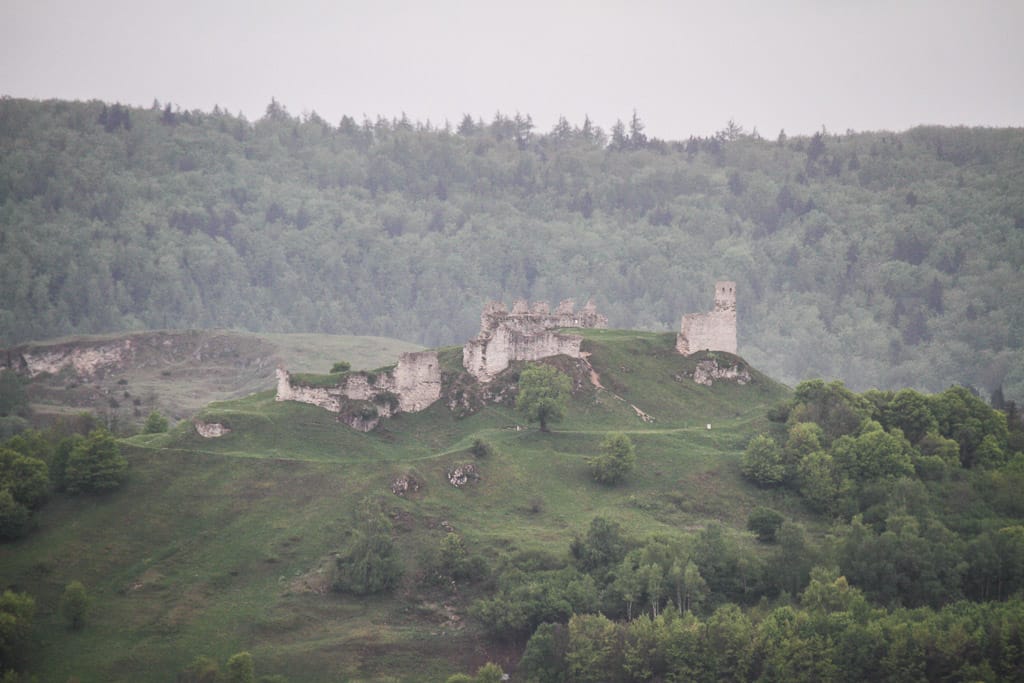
point(328, 399)
point(416, 380)
point(714, 331)
point(525, 333)
point(485, 358)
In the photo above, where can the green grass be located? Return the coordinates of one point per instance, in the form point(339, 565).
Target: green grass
point(200, 552)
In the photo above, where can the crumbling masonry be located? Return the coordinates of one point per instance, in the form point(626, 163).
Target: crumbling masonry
point(525, 333)
point(415, 382)
point(714, 331)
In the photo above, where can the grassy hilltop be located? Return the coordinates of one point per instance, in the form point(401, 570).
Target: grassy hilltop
point(221, 545)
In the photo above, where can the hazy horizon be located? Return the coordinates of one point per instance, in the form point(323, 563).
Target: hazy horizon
point(686, 68)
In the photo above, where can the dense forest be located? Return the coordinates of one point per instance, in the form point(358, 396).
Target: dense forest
point(885, 259)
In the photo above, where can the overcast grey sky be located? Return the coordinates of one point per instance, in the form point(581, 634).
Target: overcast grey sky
point(686, 67)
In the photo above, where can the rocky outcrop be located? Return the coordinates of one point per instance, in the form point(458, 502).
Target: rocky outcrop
point(460, 475)
point(211, 430)
point(361, 399)
point(85, 358)
point(526, 333)
point(714, 331)
point(710, 370)
point(405, 484)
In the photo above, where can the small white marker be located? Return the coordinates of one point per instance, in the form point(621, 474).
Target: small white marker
point(709, 425)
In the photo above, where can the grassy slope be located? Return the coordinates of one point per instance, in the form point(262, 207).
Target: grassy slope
point(201, 552)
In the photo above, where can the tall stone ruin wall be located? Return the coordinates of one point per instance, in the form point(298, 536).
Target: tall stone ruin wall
point(485, 358)
point(525, 333)
point(713, 331)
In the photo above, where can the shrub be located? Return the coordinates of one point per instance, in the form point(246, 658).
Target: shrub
point(762, 461)
point(765, 522)
point(155, 424)
point(95, 465)
point(74, 604)
point(481, 449)
point(618, 456)
point(370, 563)
point(240, 669)
point(27, 478)
point(341, 366)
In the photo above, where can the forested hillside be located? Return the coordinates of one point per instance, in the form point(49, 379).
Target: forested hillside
point(884, 259)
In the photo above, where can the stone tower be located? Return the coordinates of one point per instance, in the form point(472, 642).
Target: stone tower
point(714, 331)
point(725, 296)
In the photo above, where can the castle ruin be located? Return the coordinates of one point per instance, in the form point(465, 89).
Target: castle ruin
point(525, 333)
point(713, 331)
point(414, 384)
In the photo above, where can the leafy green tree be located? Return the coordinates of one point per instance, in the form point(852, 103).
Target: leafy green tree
point(616, 461)
point(718, 559)
point(489, 673)
point(591, 655)
point(990, 453)
point(95, 465)
point(764, 522)
point(370, 563)
point(25, 477)
point(525, 600)
point(17, 611)
point(543, 660)
point(693, 589)
point(240, 669)
point(803, 439)
point(203, 669)
point(604, 545)
point(934, 444)
point(829, 592)
point(155, 424)
point(911, 412)
point(61, 455)
point(628, 583)
point(836, 409)
point(14, 517)
point(32, 443)
point(909, 563)
point(762, 461)
point(74, 604)
point(789, 567)
point(965, 418)
point(820, 482)
point(873, 454)
point(728, 647)
point(543, 394)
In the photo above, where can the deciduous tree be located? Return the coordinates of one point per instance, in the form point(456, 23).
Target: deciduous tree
point(95, 465)
point(543, 394)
